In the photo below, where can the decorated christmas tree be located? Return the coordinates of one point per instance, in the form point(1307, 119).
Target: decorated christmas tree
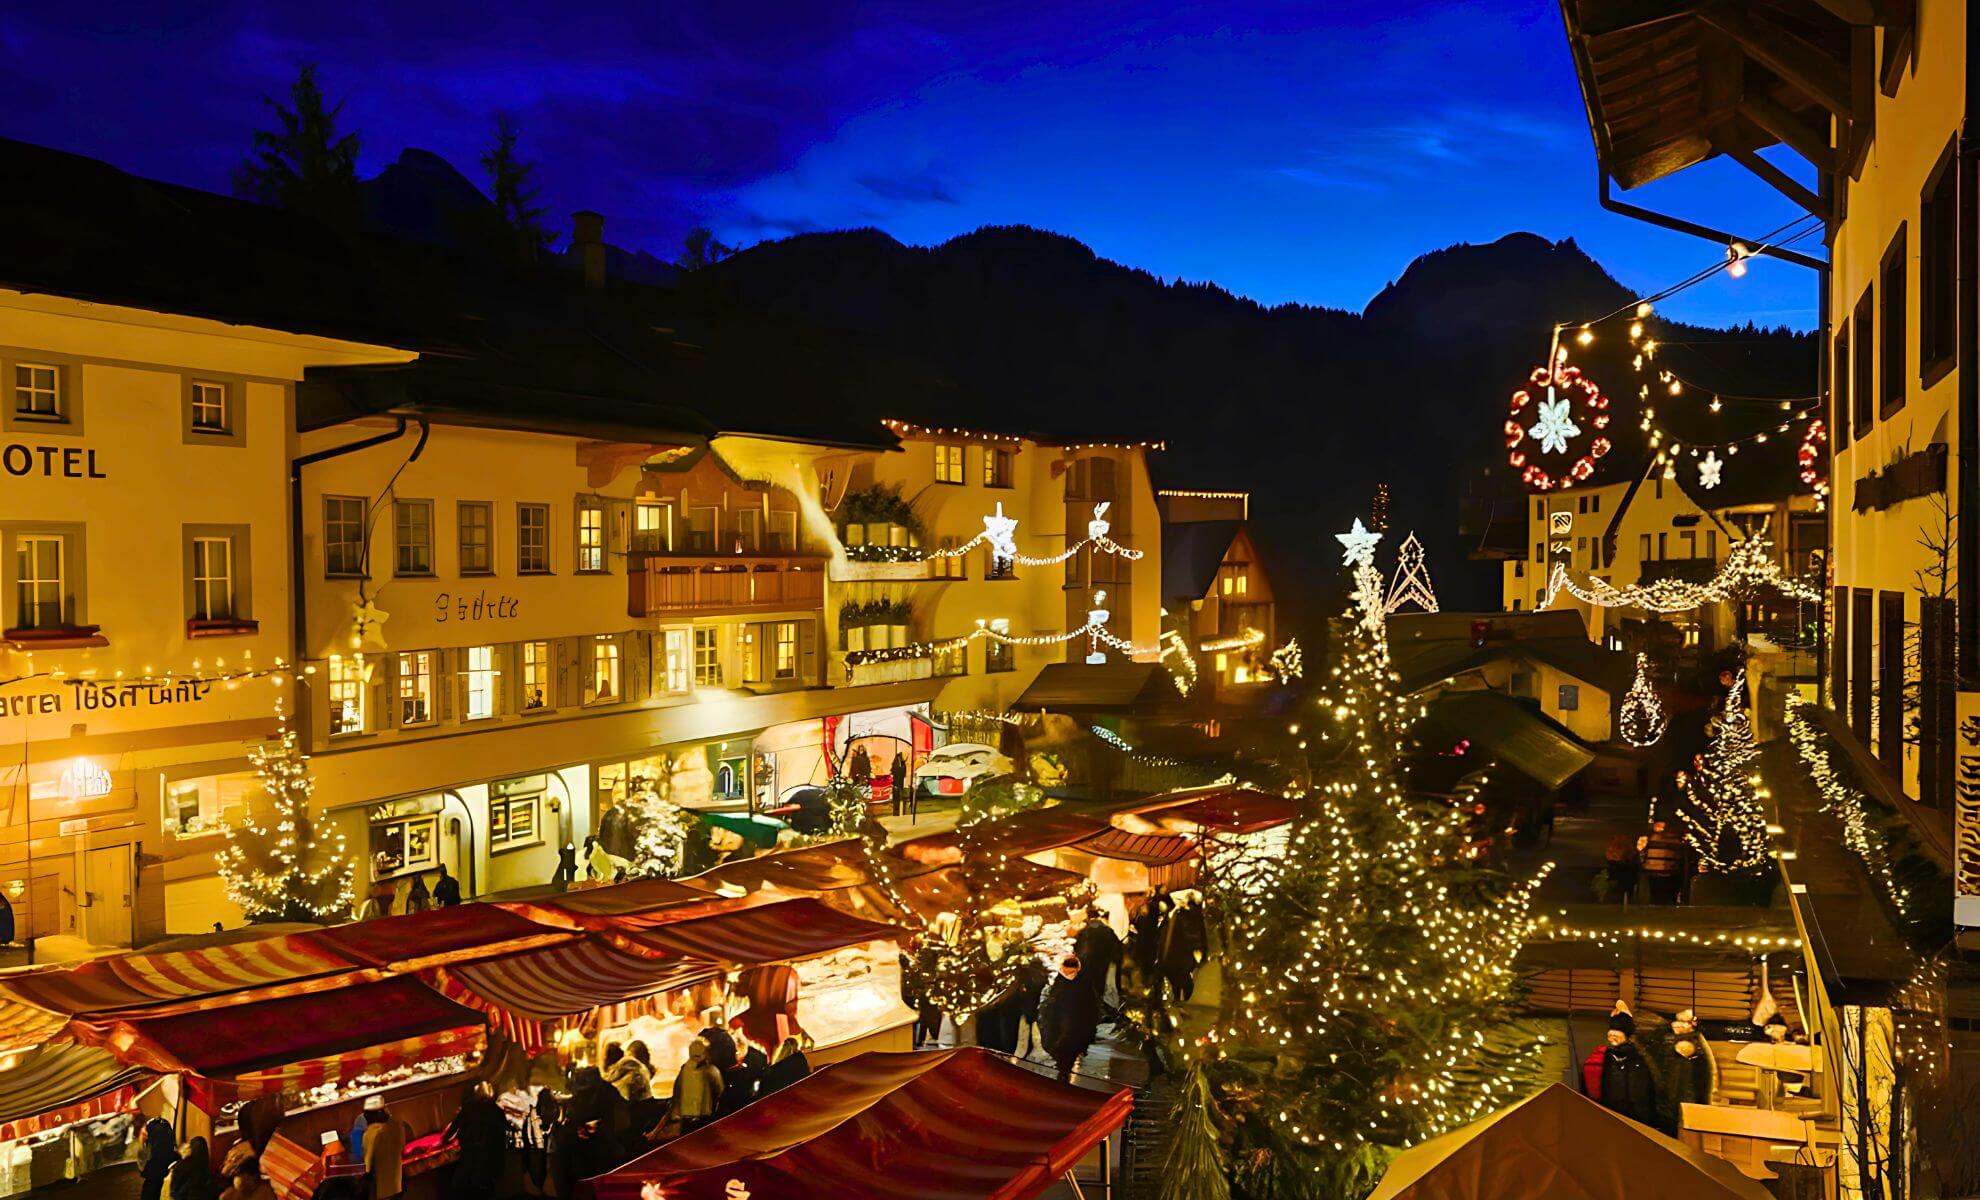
point(1643, 719)
point(1367, 984)
point(1726, 821)
point(267, 867)
point(660, 840)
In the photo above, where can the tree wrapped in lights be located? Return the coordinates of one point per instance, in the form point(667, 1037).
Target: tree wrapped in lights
point(1726, 821)
point(660, 844)
point(267, 867)
point(1368, 981)
point(1643, 718)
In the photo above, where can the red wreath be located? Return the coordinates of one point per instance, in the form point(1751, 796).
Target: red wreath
point(1811, 458)
point(1594, 415)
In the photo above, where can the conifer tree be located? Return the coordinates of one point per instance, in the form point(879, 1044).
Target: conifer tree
point(1367, 982)
point(267, 867)
point(510, 188)
point(304, 165)
point(660, 838)
point(1726, 821)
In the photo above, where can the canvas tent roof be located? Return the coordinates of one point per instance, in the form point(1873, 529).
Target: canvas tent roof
point(780, 932)
point(530, 996)
point(1097, 687)
point(938, 1125)
point(53, 1086)
point(1560, 1143)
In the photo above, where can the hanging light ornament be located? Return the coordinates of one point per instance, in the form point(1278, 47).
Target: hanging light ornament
point(1567, 394)
point(1643, 717)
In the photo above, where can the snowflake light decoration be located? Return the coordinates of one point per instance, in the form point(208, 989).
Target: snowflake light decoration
point(1709, 470)
point(1568, 406)
point(1001, 532)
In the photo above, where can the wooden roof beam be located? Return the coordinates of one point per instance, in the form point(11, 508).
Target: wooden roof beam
point(1791, 131)
point(1814, 73)
point(1857, 12)
point(1780, 180)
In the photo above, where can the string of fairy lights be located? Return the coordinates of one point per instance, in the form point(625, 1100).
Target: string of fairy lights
point(1747, 572)
point(1726, 822)
point(1000, 534)
point(1642, 721)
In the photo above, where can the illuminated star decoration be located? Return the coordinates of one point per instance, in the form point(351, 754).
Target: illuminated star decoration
point(1001, 532)
point(1553, 429)
point(1709, 468)
point(1097, 528)
point(368, 624)
point(1359, 544)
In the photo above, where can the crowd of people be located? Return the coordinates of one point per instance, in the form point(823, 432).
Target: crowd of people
point(1654, 864)
point(1651, 1079)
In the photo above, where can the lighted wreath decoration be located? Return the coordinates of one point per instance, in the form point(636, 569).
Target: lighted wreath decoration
point(1565, 396)
point(1811, 457)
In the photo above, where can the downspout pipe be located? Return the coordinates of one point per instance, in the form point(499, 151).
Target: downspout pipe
point(298, 606)
point(1680, 225)
point(1967, 461)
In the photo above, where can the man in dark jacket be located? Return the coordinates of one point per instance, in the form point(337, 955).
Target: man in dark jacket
point(1068, 1017)
point(1664, 863)
point(1099, 949)
point(447, 890)
point(1627, 1086)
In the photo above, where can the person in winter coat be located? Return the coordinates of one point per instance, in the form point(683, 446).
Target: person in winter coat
point(997, 1024)
point(1627, 1086)
point(1031, 981)
point(483, 1134)
point(928, 1017)
point(721, 1047)
point(789, 1066)
point(192, 1175)
point(898, 771)
point(1185, 941)
point(741, 1081)
point(697, 1089)
point(384, 1150)
point(632, 1078)
point(155, 1161)
point(1664, 863)
point(446, 889)
point(1068, 1017)
point(418, 899)
point(1622, 867)
point(1099, 949)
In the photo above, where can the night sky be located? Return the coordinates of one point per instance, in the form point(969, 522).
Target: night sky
point(1287, 151)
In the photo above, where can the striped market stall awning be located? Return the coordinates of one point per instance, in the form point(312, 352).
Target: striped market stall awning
point(530, 998)
point(781, 932)
point(936, 1125)
point(55, 1086)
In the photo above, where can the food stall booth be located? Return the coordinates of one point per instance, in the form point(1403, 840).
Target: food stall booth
point(65, 1110)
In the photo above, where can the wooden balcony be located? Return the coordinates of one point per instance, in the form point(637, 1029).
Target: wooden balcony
point(670, 584)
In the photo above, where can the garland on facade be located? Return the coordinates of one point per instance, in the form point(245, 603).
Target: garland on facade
point(1726, 822)
point(1368, 986)
point(1094, 630)
point(1747, 573)
point(266, 867)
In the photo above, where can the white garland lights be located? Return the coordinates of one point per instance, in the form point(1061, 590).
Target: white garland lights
point(1727, 820)
point(1411, 584)
point(1643, 719)
point(1094, 630)
point(1000, 534)
point(1747, 571)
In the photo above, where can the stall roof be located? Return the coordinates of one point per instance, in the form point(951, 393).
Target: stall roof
point(1228, 811)
point(528, 995)
point(1560, 1143)
point(936, 1125)
point(1513, 733)
point(1031, 832)
point(53, 1086)
point(1098, 687)
point(438, 935)
point(768, 933)
point(1149, 849)
point(229, 1040)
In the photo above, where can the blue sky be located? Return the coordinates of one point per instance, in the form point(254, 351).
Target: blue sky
point(1286, 151)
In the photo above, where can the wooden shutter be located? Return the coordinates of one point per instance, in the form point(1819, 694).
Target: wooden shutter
point(1863, 631)
point(1890, 693)
point(568, 681)
point(1838, 650)
point(636, 663)
point(808, 652)
point(503, 658)
point(382, 713)
point(446, 684)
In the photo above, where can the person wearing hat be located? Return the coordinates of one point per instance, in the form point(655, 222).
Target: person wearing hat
point(384, 1149)
point(1626, 1083)
point(1068, 1017)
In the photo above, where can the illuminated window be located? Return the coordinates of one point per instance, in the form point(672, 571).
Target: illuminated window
point(416, 687)
point(676, 659)
point(533, 539)
point(999, 656)
point(209, 407)
point(535, 675)
point(41, 596)
point(480, 682)
point(996, 467)
point(591, 538)
point(38, 391)
point(346, 696)
point(948, 464)
point(207, 804)
point(603, 685)
point(413, 537)
point(343, 535)
point(213, 578)
point(513, 812)
point(707, 658)
point(476, 519)
point(653, 527)
point(787, 642)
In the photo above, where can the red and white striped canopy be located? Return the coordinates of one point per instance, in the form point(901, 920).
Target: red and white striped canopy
point(531, 997)
point(59, 1085)
point(936, 1125)
point(781, 932)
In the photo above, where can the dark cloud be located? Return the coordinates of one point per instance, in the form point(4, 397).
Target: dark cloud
point(915, 187)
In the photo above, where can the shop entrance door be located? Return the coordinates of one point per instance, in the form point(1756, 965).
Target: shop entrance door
point(106, 895)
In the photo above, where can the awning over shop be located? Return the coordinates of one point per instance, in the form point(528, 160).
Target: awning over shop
point(1515, 734)
point(1031, 832)
point(938, 1125)
point(599, 907)
point(1113, 687)
point(1149, 849)
point(1231, 811)
point(54, 1086)
point(131, 980)
point(438, 936)
point(23, 1025)
point(769, 933)
point(529, 997)
point(264, 1046)
point(1560, 1143)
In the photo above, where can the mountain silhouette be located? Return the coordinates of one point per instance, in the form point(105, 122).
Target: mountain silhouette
point(1308, 408)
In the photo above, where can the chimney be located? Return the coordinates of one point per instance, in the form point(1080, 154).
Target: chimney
point(588, 239)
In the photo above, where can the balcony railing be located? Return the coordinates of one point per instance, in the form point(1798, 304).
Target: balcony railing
point(895, 670)
point(727, 584)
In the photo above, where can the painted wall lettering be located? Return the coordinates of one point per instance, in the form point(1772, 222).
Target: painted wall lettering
point(480, 606)
point(51, 462)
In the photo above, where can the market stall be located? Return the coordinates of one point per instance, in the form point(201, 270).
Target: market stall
point(65, 1110)
point(933, 1125)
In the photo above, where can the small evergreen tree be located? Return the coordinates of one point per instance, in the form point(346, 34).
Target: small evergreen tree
point(1726, 822)
point(510, 188)
point(305, 165)
point(267, 867)
point(660, 838)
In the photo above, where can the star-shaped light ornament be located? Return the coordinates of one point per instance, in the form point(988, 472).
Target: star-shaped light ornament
point(367, 625)
point(1001, 532)
point(1359, 544)
point(1553, 429)
point(1097, 528)
point(1709, 469)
